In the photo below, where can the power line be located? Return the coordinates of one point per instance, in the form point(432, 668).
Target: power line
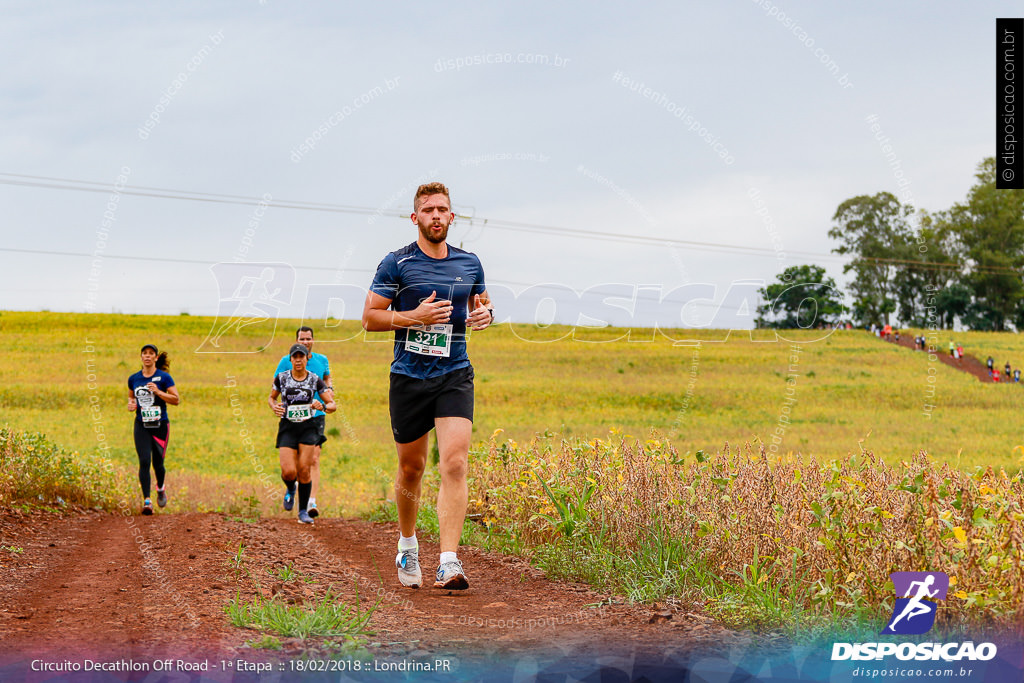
point(49, 182)
point(160, 259)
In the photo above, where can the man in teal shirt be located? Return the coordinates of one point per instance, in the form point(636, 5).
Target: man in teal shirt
point(320, 366)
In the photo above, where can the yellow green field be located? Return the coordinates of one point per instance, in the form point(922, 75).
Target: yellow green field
point(846, 392)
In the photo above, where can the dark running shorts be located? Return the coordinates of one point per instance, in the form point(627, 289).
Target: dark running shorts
point(321, 422)
point(291, 434)
point(414, 403)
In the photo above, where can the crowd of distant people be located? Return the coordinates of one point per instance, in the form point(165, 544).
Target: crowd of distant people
point(956, 352)
point(1008, 371)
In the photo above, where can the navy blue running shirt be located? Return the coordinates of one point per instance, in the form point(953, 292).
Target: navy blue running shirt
point(407, 277)
point(144, 398)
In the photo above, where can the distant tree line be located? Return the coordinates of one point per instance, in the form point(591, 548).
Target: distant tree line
point(929, 269)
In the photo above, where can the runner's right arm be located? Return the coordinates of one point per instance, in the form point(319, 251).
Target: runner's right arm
point(278, 408)
point(275, 391)
point(377, 317)
point(132, 403)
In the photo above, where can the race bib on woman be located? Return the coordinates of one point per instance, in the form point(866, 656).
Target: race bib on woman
point(299, 412)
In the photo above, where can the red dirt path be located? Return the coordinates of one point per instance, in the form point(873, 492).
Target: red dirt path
point(968, 363)
point(79, 588)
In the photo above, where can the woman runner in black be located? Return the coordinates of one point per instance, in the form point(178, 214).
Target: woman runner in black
point(297, 432)
point(150, 390)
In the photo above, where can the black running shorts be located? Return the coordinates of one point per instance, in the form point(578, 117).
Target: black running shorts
point(291, 434)
point(321, 422)
point(414, 403)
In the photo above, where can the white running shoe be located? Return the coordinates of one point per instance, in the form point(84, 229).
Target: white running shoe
point(451, 576)
point(408, 563)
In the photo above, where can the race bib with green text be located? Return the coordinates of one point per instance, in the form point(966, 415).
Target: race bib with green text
point(432, 340)
point(150, 415)
point(299, 412)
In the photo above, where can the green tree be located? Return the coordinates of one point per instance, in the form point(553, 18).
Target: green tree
point(952, 302)
point(990, 226)
point(929, 284)
point(875, 230)
point(803, 297)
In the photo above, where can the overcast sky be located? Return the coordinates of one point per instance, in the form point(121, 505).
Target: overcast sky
point(739, 123)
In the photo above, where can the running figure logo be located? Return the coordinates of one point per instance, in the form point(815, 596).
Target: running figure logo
point(250, 294)
point(914, 613)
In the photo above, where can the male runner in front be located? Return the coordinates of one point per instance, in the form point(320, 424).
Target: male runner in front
point(435, 292)
point(320, 366)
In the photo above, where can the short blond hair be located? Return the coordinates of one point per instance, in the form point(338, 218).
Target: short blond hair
point(428, 189)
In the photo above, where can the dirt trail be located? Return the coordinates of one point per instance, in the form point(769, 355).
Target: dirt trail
point(117, 587)
point(968, 363)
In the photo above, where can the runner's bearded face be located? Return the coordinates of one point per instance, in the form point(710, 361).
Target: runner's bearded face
point(306, 339)
point(433, 218)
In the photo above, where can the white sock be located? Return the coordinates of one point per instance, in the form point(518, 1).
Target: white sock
point(407, 543)
point(449, 557)
point(312, 501)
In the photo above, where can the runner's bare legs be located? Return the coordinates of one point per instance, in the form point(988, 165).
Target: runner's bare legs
point(412, 459)
point(453, 437)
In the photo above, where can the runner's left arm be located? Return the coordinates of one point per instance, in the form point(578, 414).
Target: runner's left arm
point(482, 315)
point(327, 405)
point(327, 394)
point(170, 397)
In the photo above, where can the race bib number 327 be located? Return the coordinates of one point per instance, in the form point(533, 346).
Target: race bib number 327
point(432, 340)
